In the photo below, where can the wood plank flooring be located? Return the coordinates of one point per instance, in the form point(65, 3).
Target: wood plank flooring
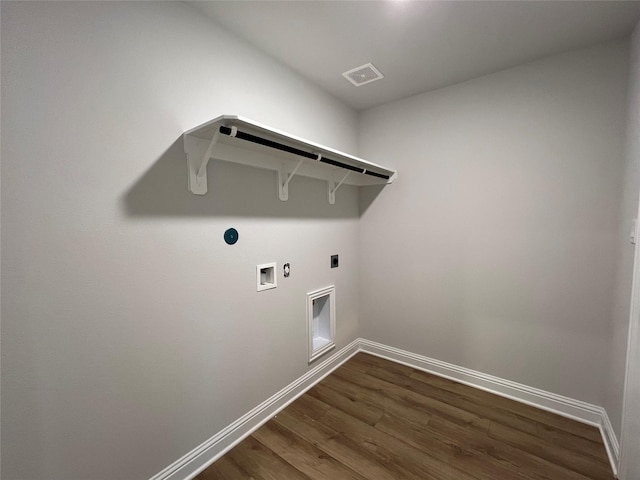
point(378, 420)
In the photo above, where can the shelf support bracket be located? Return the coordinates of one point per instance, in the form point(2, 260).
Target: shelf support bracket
point(198, 156)
point(332, 188)
point(283, 180)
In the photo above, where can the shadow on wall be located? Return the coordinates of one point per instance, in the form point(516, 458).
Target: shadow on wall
point(235, 190)
point(368, 195)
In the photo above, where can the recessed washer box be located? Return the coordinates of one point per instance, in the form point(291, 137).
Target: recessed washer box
point(266, 277)
point(321, 318)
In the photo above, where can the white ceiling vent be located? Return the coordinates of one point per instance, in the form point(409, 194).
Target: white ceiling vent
point(363, 74)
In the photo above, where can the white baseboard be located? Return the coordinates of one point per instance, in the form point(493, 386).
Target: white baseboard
point(194, 462)
point(567, 407)
point(610, 441)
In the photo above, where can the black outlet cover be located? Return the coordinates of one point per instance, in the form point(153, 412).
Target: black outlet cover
point(334, 261)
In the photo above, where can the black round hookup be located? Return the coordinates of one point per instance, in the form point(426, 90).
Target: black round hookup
point(231, 236)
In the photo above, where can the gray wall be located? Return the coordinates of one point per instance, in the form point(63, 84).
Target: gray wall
point(630, 461)
point(130, 332)
point(628, 211)
point(495, 250)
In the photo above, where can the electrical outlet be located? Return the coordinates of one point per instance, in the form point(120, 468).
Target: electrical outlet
point(334, 261)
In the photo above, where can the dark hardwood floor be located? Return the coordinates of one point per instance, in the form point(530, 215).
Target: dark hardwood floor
point(378, 420)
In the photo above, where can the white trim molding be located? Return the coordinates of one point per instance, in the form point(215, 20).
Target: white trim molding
point(610, 441)
point(194, 462)
point(567, 407)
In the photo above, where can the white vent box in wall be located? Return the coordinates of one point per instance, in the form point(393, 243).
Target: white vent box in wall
point(321, 318)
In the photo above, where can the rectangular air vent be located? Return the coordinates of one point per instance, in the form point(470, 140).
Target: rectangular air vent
point(363, 74)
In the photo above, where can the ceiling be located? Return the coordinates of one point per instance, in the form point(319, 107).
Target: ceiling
point(417, 45)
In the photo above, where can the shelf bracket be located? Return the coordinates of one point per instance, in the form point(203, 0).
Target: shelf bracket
point(198, 156)
point(332, 188)
point(283, 180)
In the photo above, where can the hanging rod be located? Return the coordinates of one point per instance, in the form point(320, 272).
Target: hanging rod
point(234, 132)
